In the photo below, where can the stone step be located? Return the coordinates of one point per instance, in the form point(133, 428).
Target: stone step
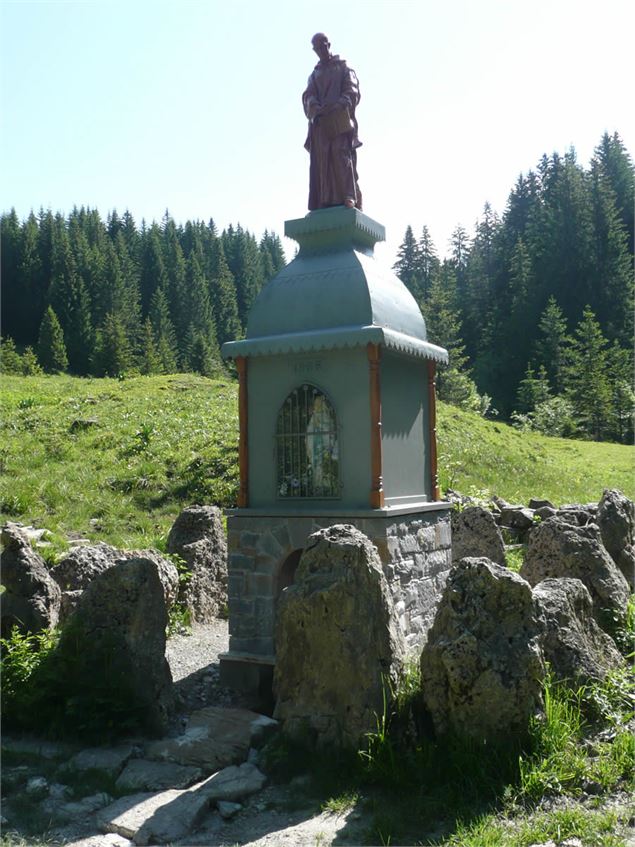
point(215, 737)
point(165, 816)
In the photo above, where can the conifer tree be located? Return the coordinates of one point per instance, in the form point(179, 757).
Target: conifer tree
point(586, 377)
point(113, 354)
point(164, 335)
point(30, 364)
point(51, 346)
point(407, 265)
point(10, 359)
point(223, 295)
point(69, 299)
point(552, 345)
point(427, 265)
point(149, 358)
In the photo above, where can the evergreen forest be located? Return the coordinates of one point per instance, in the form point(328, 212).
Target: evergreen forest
point(535, 306)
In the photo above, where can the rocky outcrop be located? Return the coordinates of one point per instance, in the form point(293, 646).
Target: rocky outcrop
point(84, 563)
point(573, 644)
point(558, 548)
point(616, 519)
point(119, 628)
point(31, 600)
point(338, 645)
point(197, 536)
point(475, 534)
point(482, 668)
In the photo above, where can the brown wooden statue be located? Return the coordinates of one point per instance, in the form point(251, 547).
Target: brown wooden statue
point(329, 101)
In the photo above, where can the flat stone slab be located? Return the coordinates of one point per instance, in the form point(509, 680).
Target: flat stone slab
point(215, 737)
point(110, 760)
point(37, 747)
point(156, 818)
point(234, 783)
point(165, 816)
point(145, 775)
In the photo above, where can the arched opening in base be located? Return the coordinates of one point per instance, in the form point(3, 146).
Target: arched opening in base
point(286, 574)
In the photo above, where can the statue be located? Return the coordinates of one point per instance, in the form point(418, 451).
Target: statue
point(329, 102)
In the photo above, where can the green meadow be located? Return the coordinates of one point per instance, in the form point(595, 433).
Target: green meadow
point(116, 460)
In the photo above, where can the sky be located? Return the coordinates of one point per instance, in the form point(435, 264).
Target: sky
point(195, 106)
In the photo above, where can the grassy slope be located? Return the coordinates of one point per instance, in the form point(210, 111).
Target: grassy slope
point(160, 443)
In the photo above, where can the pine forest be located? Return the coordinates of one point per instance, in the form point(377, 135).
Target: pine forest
point(534, 306)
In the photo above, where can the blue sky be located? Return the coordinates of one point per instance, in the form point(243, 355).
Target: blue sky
point(194, 106)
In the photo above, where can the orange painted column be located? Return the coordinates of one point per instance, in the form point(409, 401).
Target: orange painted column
point(432, 412)
point(377, 489)
point(243, 452)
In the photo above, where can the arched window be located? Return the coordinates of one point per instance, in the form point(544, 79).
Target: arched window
point(307, 449)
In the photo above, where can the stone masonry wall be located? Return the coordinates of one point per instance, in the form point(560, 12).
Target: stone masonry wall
point(414, 550)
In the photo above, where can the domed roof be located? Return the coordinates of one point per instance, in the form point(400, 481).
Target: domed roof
point(334, 294)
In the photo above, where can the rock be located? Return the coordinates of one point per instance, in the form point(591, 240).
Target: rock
point(31, 747)
point(338, 643)
point(558, 548)
point(475, 533)
point(197, 536)
point(31, 600)
point(82, 564)
point(163, 817)
point(616, 519)
point(69, 601)
point(144, 775)
point(37, 787)
point(215, 737)
point(110, 760)
point(228, 810)
point(80, 808)
point(576, 513)
point(545, 512)
point(517, 517)
point(120, 624)
point(574, 645)
point(154, 818)
point(482, 669)
point(234, 783)
point(537, 503)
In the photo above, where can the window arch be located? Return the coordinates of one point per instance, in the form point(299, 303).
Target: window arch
point(307, 446)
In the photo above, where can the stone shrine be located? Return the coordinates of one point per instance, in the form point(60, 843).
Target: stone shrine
point(337, 425)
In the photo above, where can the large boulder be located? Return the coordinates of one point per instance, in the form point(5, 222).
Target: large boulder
point(573, 644)
point(118, 629)
point(338, 645)
point(475, 534)
point(197, 536)
point(31, 599)
point(82, 564)
point(616, 519)
point(482, 668)
point(558, 548)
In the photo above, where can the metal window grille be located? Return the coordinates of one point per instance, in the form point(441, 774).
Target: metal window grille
point(307, 446)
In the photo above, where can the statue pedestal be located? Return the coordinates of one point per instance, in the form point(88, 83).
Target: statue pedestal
point(337, 425)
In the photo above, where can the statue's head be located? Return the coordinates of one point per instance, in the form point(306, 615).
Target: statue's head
point(321, 45)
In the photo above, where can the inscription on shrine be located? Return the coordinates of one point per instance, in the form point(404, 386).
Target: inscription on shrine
point(305, 367)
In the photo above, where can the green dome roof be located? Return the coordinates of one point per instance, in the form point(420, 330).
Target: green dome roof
point(334, 294)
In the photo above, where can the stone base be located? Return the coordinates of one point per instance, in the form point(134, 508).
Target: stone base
point(264, 549)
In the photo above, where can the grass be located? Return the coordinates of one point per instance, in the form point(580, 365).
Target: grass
point(116, 461)
point(477, 455)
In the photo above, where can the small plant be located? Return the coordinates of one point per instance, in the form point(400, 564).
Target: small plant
point(20, 656)
point(143, 436)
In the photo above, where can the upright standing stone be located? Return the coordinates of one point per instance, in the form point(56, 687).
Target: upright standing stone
point(198, 537)
point(31, 600)
point(338, 644)
point(482, 668)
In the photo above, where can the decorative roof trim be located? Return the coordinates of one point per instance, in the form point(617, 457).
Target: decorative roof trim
point(344, 337)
